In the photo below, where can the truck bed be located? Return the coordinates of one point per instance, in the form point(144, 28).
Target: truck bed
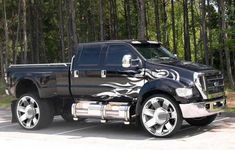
point(52, 79)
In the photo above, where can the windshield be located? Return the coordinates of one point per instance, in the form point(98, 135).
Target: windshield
point(154, 52)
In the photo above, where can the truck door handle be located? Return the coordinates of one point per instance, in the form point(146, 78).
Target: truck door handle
point(75, 73)
point(103, 73)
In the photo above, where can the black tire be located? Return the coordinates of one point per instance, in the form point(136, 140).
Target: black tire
point(202, 121)
point(66, 115)
point(41, 111)
point(173, 107)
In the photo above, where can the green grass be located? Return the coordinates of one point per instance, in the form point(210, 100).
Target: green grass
point(5, 100)
point(2, 87)
point(232, 109)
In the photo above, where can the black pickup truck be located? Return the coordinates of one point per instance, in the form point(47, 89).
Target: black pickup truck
point(130, 81)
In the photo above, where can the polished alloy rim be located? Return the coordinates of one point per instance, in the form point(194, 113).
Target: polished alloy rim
point(28, 112)
point(159, 116)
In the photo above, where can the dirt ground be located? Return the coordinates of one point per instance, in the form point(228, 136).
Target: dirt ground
point(230, 99)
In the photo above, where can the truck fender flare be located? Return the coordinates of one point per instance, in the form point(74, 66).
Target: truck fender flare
point(160, 86)
point(27, 78)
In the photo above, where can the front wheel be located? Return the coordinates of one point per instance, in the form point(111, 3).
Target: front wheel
point(33, 113)
point(160, 116)
point(202, 121)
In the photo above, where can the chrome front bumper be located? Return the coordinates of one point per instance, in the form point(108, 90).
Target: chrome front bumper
point(202, 109)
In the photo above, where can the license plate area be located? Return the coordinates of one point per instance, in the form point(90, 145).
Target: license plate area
point(216, 105)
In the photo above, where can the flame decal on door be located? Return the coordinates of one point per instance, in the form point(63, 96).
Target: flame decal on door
point(135, 83)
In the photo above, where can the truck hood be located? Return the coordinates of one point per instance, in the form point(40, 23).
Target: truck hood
point(196, 67)
point(177, 70)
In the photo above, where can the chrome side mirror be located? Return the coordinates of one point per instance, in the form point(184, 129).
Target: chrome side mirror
point(175, 55)
point(126, 61)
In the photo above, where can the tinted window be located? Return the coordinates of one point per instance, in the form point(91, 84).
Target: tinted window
point(90, 55)
point(115, 54)
point(154, 51)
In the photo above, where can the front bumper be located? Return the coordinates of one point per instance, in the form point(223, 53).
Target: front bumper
point(202, 109)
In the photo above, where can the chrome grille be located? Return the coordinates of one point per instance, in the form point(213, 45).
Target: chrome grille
point(214, 84)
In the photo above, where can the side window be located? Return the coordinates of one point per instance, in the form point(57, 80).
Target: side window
point(115, 54)
point(90, 55)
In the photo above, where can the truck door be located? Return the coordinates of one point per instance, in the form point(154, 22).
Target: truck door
point(120, 83)
point(86, 72)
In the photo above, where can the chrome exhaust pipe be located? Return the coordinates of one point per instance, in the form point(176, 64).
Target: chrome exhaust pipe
point(93, 109)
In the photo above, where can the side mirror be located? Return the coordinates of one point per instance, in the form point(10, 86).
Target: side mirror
point(175, 55)
point(128, 62)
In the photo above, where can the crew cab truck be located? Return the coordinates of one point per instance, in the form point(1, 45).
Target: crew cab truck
point(126, 80)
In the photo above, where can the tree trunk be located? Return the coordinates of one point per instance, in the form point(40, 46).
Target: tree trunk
point(32, 38)
point(221, 40)
point(186, 32)
point(157, 19)
point(135, 19)
point(141, 20)
point(101, 13)
point(2, 62)
point(225, 46)
point(25, 31)
point(127, 18)
point(173, 26)
point(210, 51)
point(61, 27)
point(165, 33)
point(146, 17)
point(233, 63)
point(17, 33)
point(72, 27)
point(39, 31)
point(193, 30)
point(6, 50)
point(113, 19)
point(204, 32)
point(92, 20)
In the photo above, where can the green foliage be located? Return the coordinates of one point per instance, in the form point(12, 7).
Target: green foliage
point(88, 27)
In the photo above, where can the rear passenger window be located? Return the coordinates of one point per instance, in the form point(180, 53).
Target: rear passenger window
point(115, 54)
point(90, 55)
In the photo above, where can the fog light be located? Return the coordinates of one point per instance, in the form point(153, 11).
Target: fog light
point(184, 92)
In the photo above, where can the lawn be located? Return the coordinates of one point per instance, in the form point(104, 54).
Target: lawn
point(5, 100)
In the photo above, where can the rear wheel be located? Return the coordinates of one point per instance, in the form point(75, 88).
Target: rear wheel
point(160, 116)
point(33, 113)
point(202, 121)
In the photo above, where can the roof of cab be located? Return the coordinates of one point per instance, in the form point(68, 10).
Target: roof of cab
point(124, 41)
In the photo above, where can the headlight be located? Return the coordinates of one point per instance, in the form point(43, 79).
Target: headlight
point(184, 92)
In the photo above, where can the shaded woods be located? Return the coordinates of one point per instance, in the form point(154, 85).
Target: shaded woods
point(34, 31)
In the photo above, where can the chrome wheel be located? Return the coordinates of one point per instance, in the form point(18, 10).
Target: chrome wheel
point(159, 116)
point(28, 112)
